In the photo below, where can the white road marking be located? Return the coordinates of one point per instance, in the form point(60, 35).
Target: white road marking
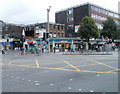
point(36, 81)
point(51, 84)
point(71, 79)
point(17, 77)
point(23, 79)
point(37, 84)
point(69, 88)
point(10, 63)
point(91, 90)
point(79, 89)
point(98, 75)
point(29, 80)
point(37, 63)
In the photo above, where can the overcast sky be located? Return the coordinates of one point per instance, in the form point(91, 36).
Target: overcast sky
point(33, 11)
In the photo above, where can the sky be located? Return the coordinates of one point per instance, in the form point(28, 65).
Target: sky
point(35, 11)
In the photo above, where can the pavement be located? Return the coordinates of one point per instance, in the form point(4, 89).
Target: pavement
point(54, 72)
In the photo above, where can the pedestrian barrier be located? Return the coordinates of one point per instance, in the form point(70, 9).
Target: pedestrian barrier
point(87, 53)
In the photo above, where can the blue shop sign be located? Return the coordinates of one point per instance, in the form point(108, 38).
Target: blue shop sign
point(61, 41)
point(6, 43)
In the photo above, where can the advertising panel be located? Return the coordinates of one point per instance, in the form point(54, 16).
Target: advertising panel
point(76, 28)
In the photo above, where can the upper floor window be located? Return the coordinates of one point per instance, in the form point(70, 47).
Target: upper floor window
point(62, 27)
point(50, 26)
point(54, 26)
point(69, 11)
point(58, 27)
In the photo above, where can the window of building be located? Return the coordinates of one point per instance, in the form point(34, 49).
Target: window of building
point(58, 34)
point(62, 34)
point(54, 27)
point(50, 34)
point(58, 27)
point(54, 35)
point(69, 19)
point(62, 27)
point(69, 11)
point(50, 27)
point(70, 27)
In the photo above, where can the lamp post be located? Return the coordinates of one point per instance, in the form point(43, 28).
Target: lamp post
point(48, 10)
point(23, 35)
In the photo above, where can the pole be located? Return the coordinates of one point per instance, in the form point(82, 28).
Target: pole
point(48, 10)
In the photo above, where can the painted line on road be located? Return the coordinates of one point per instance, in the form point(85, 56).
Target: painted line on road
point(10, 62)
point(102, 64)
point(80, 65)
point(62, 69)
point(37, 63)
point(71, 65)
point(83, 65)
point(114, 70)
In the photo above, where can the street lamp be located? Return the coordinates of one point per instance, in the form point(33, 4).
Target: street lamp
point(48, 10)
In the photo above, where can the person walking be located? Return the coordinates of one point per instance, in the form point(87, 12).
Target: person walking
point(54, 49)
point(22, 51)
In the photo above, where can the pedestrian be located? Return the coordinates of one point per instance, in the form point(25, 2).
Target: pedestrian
point(54, 49)
point(69, 49)
point(22, 51)
point(3, 51)
point(42, 50)
point(96, 48)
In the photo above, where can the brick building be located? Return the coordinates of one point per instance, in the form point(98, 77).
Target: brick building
point(72, 17)
point(37, 30)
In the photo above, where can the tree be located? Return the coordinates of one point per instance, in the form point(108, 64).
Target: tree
point(118, 34)
point(88, 29)
point(110, 29)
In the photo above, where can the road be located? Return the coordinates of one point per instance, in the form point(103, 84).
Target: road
point(55, 72)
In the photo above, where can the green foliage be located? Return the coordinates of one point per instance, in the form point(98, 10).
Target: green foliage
point(88, 29)
point(110, 29)
point(118, 34)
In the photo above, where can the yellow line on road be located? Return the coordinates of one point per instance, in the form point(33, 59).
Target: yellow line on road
point(81, 65)
point(77, 70)
point(51, 68)
point(103, 64)
point(71, 65)
point(37, 63)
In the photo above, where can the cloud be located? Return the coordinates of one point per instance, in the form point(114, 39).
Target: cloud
point(32, 11)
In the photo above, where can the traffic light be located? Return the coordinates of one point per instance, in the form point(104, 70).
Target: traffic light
point(45, 35)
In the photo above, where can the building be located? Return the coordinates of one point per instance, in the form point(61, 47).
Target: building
point(1, 25)
point(37, 30)
point(72, 17)
point(12, 31)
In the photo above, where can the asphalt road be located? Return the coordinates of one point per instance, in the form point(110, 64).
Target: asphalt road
point(55, 72)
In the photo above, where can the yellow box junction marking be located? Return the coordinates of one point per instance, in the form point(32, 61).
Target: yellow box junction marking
point(70, 65)
point(103, 64)
point(60, 69)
